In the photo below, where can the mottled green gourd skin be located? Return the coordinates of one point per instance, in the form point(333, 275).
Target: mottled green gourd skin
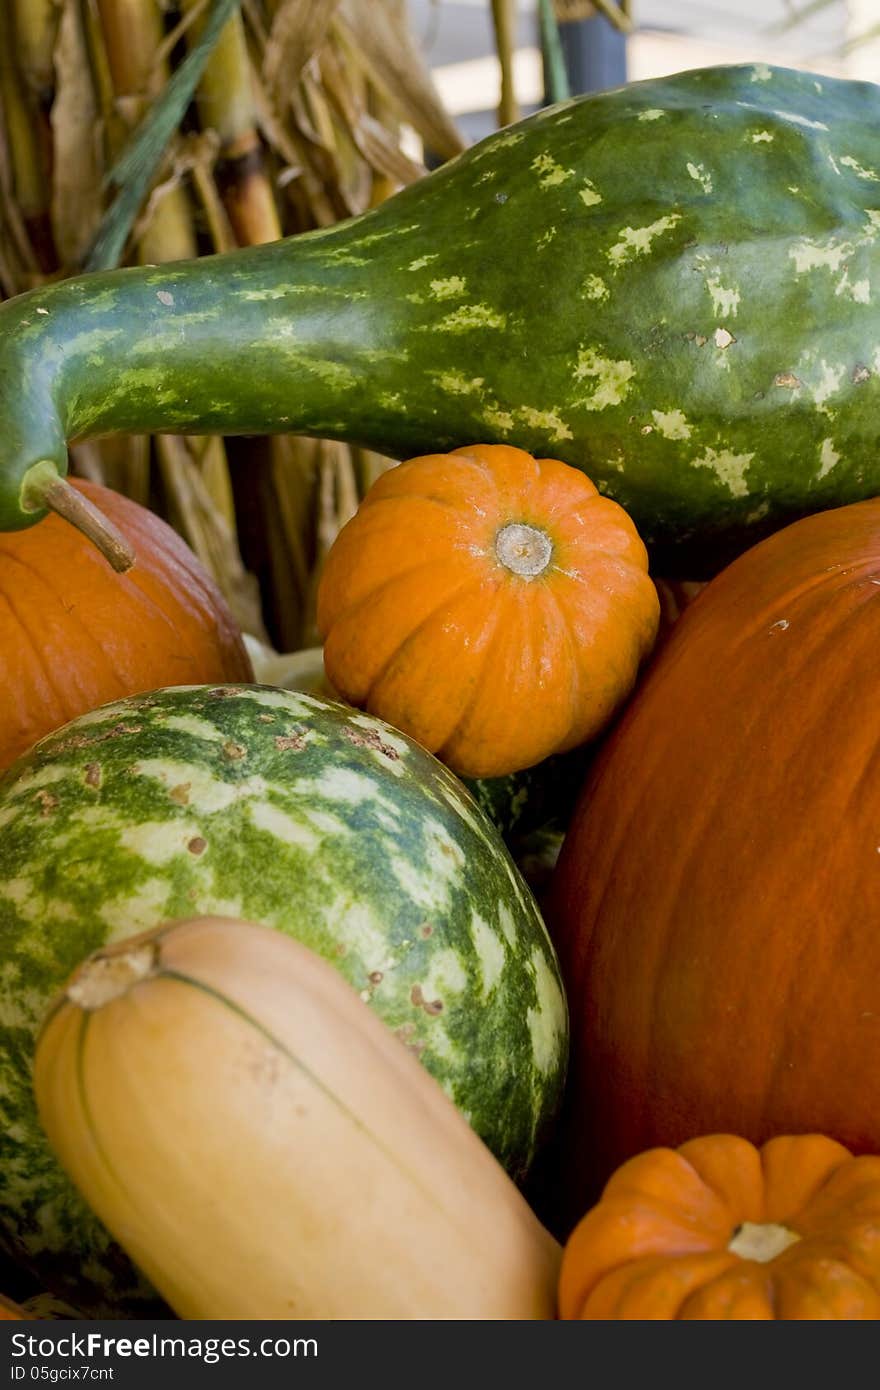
point(536, 798)
point(292, 811)
point(673, 286)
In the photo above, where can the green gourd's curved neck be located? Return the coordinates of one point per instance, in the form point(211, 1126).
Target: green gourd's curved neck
point(251, 342)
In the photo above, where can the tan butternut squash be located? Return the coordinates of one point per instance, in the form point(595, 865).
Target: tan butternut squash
point(263, 1146)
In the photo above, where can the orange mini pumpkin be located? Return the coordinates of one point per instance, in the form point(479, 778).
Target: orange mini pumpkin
point(75, 635)
point(718, 1229)
point(492, 605)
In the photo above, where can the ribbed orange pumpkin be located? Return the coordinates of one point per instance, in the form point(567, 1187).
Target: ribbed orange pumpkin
point(74, 634)
point(492, 605)
point(716, 905)
point(720, 1230)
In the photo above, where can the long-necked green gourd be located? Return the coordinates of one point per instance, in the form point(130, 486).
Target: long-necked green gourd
point(670, 285)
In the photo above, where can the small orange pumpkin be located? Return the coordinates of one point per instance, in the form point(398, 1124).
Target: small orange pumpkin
point(718, 1229)
point(492, 605)
point(75, 635)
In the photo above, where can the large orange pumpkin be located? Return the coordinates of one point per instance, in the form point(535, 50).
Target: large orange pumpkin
point(716, 904)
point(721, 1230)
point(74, 634)
point(490, 604)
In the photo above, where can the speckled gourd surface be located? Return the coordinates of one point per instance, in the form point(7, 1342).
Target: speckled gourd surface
point(671, 285)
point(285, 809)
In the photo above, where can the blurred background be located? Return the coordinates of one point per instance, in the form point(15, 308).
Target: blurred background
point(661, 37)
point(303, 112)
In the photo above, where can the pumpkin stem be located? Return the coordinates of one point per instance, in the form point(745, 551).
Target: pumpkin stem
point(44, 487)
point(761, 1240)
point(523, 549)
point(110, 974)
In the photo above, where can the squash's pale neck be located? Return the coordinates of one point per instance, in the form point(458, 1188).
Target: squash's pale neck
point(111, 974)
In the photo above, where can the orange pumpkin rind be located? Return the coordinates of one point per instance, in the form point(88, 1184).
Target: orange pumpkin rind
point(719, 1229)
